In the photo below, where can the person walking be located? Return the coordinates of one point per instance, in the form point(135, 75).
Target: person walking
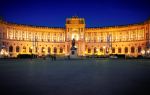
point(55, 57)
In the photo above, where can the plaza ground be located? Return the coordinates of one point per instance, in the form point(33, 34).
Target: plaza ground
point(74, 77)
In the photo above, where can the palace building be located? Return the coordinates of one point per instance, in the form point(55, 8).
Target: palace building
point(132, 40)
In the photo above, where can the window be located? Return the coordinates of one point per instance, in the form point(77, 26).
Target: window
point(43, 49)
point(101, 49)
point(61, 50)
point(24, 49)
point(89, 50)
point(119, 50)
point(49, 50)
point(30, 49)
point(55, 50)
point(11, 49)
point(139, 49)
point(126, 50)
point(113, 50)
point(132, 49)
point(17, 49)
point(107, 50)
point(95, 50)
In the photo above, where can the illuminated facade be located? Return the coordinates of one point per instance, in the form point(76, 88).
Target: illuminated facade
point(24, 39)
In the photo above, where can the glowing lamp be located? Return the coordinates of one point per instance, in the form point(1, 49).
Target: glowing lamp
point(143, 52)
point(148, 51)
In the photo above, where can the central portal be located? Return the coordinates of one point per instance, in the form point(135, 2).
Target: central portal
point(75, 34)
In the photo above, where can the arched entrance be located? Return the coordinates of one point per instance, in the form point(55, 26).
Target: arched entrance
point(55, 50)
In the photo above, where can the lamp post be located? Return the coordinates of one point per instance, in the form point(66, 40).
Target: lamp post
point(148, 52)
point(143, 52)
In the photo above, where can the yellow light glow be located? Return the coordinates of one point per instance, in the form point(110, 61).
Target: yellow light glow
point(143, 51)
point(75, 36)
point(104, 47)
point(148, 51)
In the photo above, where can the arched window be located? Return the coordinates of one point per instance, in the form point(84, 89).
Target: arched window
point(107, 50)
point(139, 49)
point(30, 49)
point(95, 51)
point(49, 50)
point(101, 49)
point(11, 49)
point(43, 50)
point(126, 49)
point(89, 50)
point(55, 50)
point(119, 50)
point(24, 49)
point(132, 49)
point(113, 50)
point(17, 49)
point(61, 50)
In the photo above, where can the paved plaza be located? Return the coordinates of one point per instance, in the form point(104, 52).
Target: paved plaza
point(74, 77)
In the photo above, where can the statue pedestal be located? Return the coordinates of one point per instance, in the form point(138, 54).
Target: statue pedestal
point(73, 53)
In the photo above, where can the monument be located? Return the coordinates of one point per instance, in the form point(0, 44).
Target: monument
point(73, 50)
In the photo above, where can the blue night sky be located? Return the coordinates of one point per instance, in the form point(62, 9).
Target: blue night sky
point(53, 13)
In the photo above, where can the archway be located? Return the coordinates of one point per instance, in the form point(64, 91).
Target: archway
point(119, 50)
point(17, 49)
point(24, 49)
point(43, 50)
point(55, 50)
point(139, 49)
point(89, 50)
point(30, 49)
point(61, 50)
point(126, 49)
point(132, 49)
point(49, 50)
point(95, 50)
point(113, 50)
point(10, 48)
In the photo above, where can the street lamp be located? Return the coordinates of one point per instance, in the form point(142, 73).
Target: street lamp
point(148, 52)
point(143, 52)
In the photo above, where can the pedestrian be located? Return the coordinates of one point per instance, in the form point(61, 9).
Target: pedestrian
point(54, 56)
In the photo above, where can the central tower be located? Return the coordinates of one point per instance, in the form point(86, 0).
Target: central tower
point(75, 30)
